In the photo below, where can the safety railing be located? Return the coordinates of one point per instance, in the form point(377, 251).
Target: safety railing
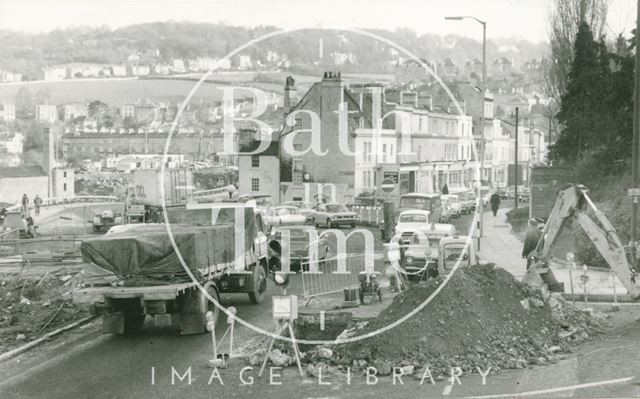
point(70, 200)
point(369, 215)
point(324, 277)
point(44, 249)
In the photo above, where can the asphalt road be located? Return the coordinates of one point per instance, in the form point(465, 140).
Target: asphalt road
point(84, 363)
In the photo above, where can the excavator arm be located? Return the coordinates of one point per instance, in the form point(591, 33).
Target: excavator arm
point(572, 204)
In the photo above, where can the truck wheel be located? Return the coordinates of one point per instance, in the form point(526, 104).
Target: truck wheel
point(133, 322)
point(259, 280)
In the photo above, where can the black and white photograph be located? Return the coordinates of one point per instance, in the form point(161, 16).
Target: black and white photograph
point(319, 199)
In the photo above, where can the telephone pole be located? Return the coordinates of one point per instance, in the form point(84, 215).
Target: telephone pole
point(636, 139)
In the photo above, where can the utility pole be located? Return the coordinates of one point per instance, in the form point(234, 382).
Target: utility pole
point(515, 192)
point(636, 138)
point(482, 138)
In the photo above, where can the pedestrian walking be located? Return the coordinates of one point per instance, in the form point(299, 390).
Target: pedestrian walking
point(495, 203)
point(3, 214)
point(25, 205)
point(445, 189)
point(531, 239)
point(37, 201)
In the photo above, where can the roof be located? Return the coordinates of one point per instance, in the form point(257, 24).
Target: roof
point(273, 148)
point(21, 171)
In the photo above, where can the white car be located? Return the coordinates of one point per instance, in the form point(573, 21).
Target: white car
point(409, 222)
point(287, 215)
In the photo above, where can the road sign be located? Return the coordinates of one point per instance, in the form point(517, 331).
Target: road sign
point(634, 192)
point(387, 185)
point(135, 210)
point(393, 176)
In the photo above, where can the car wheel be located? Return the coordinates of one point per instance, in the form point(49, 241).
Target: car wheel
point(353, 225)
point(315, 223)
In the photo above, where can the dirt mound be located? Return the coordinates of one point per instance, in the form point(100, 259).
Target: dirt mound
point(483, 317)
point(31, 307)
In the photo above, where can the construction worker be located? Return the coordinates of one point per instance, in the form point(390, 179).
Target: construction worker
point(531, 238)
point(25, 205)
point(495, 203)
point(37, 201)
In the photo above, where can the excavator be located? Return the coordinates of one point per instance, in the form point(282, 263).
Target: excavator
point(573, 204)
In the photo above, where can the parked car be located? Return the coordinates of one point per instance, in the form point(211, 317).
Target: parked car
point(523, 193)
point(299, 243)
point(410, 222)
point(423, 248)
point(305, 208)
point(333, 215)
point(467, 200)
point(452, 205)
point(288, 215)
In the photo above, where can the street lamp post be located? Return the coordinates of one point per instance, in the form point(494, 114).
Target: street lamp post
point(482, 138)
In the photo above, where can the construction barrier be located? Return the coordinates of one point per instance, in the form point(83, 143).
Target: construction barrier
point(322, 277)
point(70, 200)
point(369, 215)
point(45, 249)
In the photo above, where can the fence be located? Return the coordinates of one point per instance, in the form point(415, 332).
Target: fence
point(70, 200)
point(369, 215)
point(326, 280)
point(40, 249)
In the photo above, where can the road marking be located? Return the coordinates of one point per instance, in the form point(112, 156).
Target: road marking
point(553, 390)
point(447, 390)
point(322, 320)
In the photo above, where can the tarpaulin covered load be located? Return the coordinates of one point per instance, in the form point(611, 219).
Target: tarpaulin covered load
point(144, 254)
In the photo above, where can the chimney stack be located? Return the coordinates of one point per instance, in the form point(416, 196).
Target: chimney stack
point(425, 101)
point(409, 98)
point(290, 94)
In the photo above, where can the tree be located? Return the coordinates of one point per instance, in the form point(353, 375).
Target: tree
point(581, 103)
point(596, 109)
point(24, 103)
point(566, 17)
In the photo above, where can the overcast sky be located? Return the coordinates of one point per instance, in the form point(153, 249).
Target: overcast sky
point(505, 18)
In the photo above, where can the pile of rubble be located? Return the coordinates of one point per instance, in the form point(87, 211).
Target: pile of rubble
point(482, 318)
point(33, 306)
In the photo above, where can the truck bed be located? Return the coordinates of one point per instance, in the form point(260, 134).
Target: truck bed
point(157, 292)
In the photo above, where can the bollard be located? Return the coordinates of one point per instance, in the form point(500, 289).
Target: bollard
point(211, 326)
point(615, 306)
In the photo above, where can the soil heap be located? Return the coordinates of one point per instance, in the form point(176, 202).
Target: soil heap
point(483, 318)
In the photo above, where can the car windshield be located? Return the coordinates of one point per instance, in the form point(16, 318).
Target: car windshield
point(451, 254)
point(418, 202)
point(413, 218)
point(423, 240)
point(336, 208)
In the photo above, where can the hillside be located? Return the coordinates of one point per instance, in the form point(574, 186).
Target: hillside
point(29, 53)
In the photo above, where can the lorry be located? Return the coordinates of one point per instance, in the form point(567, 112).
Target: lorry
point(138, 273)
point(105, 220)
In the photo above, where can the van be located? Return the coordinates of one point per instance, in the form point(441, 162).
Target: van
point(425, 202)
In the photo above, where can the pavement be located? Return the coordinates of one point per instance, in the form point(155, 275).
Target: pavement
point(500, 246)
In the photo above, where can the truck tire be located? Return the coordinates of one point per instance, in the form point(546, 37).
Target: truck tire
point(133, 322)
point(133, 316)
point(259, 281)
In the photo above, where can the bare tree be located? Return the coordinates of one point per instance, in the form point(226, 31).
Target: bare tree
point(565, 17)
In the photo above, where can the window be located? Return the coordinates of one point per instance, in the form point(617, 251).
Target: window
point(298, 122)
point(64, 187)
point(384, 153)
point(255, 184)
point(64, 174)
point(255, 161)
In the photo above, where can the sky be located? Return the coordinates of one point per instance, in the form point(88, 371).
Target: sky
point(525, 19)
